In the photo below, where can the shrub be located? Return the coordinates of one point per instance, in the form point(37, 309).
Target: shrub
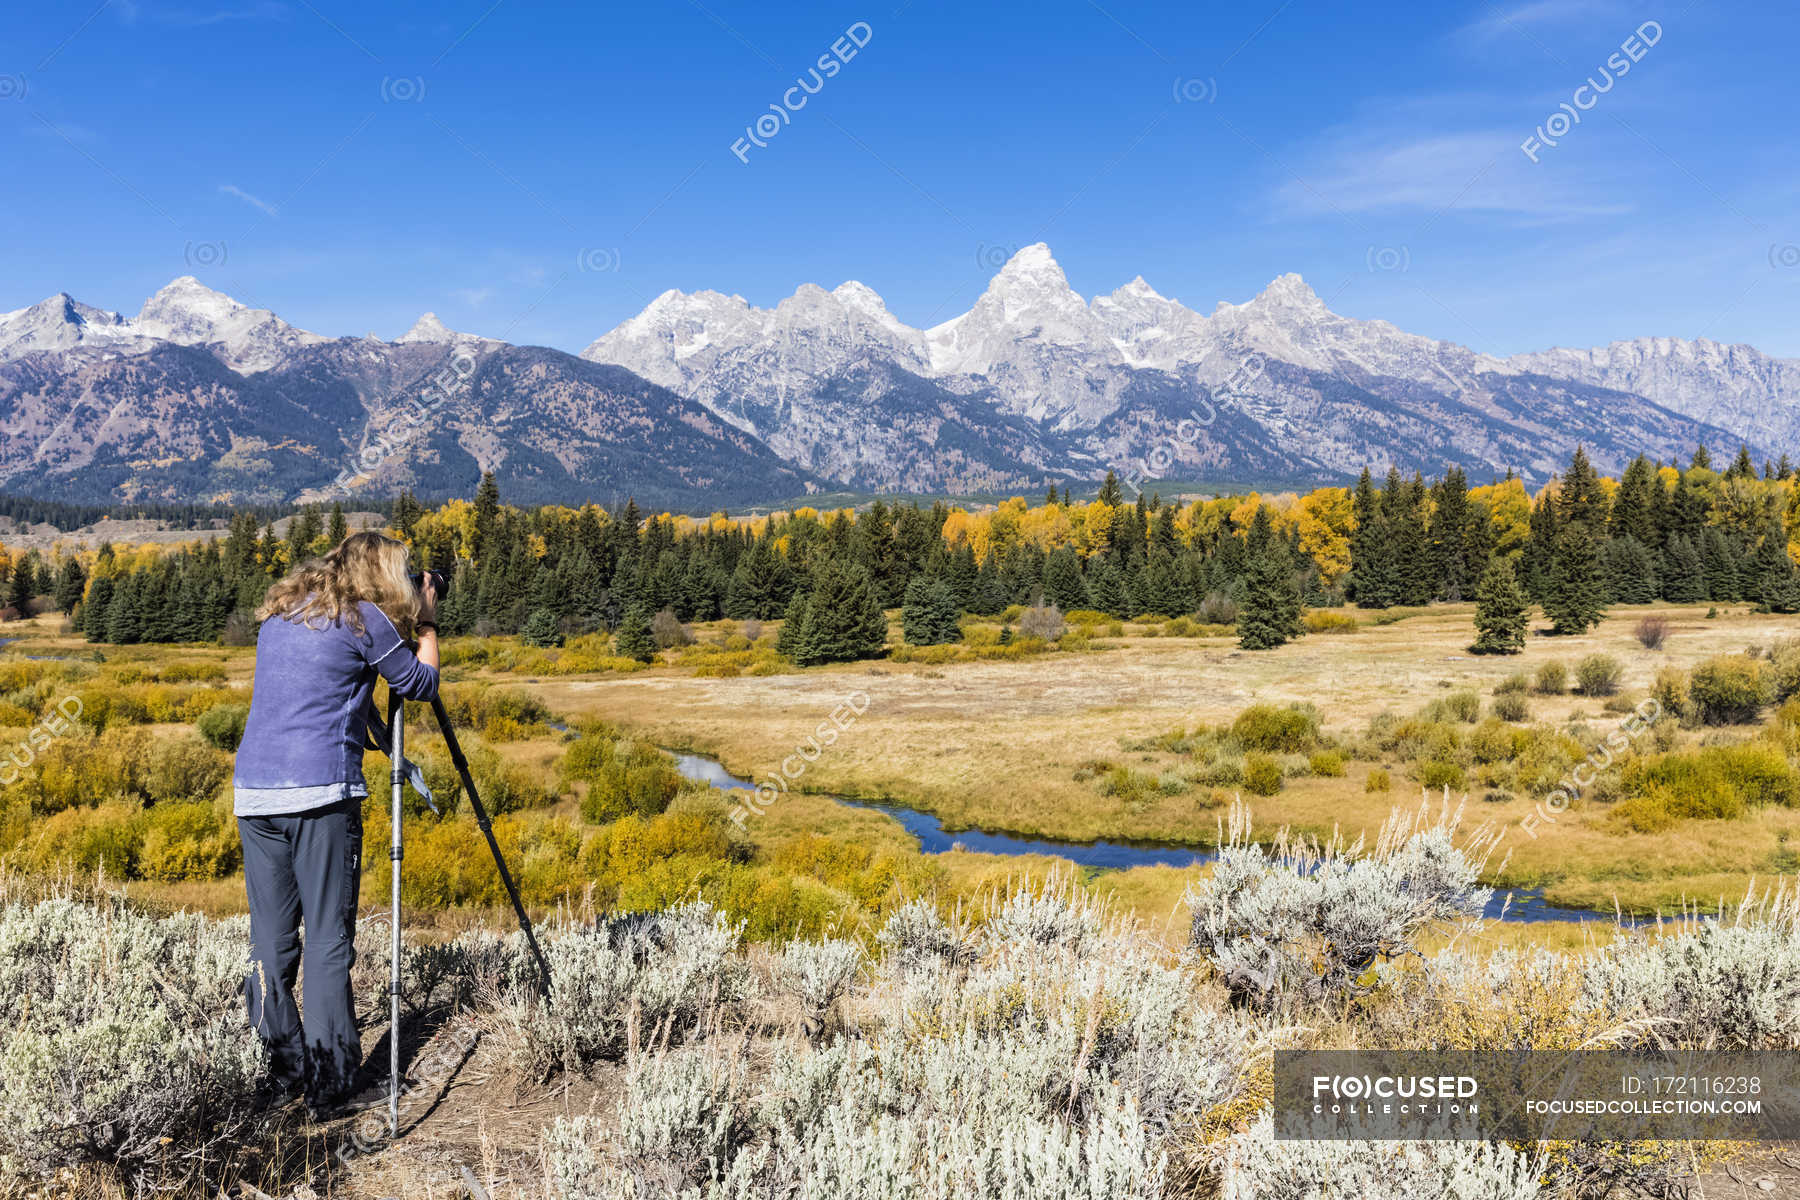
point(916, 936)
point(1464, 706)
point(818, 974)
point(1044, 622)
point(1257, 1166)
point(1123, 783)
point(1715, 782)
point(1598, 675)
point(1729, 689)
point(1552, 679)
point(1438, 773)
point(1651, 632)
point(1310, 922)
point(1322, 620)
point(124, 1043)
point(1518, 683)
point(659, 969)
point(1326, 763)
point(1494, 742)
point(1218, 609)
point(1511, 706)
point(223, 725)
point(108, 837)
point(1283, 730)
point(184, 768)
point(1052, 918)
point(1378, 780)
point(638, 781)
point(188, 841)
point(668, 630)
point(1262, 774)
point(1731, 983)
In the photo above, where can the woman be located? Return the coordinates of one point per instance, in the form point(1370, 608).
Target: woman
point(326, 631)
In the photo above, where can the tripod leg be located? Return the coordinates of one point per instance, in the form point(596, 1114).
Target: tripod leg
point(487, 830)
point(397, 752)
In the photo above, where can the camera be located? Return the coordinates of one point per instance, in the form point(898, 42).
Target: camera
point(439, 580)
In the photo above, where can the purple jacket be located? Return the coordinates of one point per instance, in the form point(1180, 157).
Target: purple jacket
point(310, 709)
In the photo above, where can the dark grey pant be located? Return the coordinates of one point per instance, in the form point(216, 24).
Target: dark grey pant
point(305, 868)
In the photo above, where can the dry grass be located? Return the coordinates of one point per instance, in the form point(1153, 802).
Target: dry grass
point(998, 744)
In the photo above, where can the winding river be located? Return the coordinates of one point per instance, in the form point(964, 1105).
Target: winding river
point(1528, 904)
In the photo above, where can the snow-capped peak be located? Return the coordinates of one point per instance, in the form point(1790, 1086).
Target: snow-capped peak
point(1138, 288)
point(185, 300)
point(1034, 259)
point(1292, 293)
point(62, 322)
point(189, 313)
point(428, 329)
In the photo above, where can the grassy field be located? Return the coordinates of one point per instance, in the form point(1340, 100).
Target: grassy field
point(1002, 745)
point(1021, 746)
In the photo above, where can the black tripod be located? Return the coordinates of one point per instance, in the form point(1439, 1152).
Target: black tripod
point(397, 752)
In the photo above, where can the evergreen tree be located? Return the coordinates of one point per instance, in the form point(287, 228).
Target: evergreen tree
point(991, 593)
point(1540, 548)
point(1403, 516)
point(1449, 536)
point(542, 629)
point(633, 639)
point(793, 626)
point(1629, 570)
point(407, 511)
point(22, 586)
point(1575, 601)
point(1683, 572)
point(1063, 582)
point(1582, 500)
point(124, 623)
point(1741, 467)
point(1575, 594)
point(1110, 491)
point(71, 582)
point(487, 515)
point(962, 575)
point(844, 619)
point(930, 616)
point(1105, 588)
point(303, 531)
point(338, 529)
point(1777, 582)
point(94, 611)
point(1270, 614)
point(1720, 559)
point(1371, 553)
point(1634, 507)
point(760, 584)
point(1501, 611)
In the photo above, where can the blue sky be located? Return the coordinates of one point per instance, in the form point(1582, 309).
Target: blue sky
point(540, 172)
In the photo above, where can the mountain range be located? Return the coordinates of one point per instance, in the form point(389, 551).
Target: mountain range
point(703, 399)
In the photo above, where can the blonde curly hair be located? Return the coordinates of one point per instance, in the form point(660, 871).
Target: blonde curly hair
point(365, 566)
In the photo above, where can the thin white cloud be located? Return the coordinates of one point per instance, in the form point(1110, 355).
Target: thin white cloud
point(231, 189)
point(262, 10)
point(1399, 167)
point(1533, 15)
point(473, 297)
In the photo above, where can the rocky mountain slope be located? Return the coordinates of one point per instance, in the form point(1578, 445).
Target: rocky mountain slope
point(704, 399)
point(1276, 388)
point(202, 398)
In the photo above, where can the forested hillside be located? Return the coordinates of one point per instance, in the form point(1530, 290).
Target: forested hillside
point(1660, 531)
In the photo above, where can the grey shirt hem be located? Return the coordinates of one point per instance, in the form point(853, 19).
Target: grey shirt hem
point(276, 802)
